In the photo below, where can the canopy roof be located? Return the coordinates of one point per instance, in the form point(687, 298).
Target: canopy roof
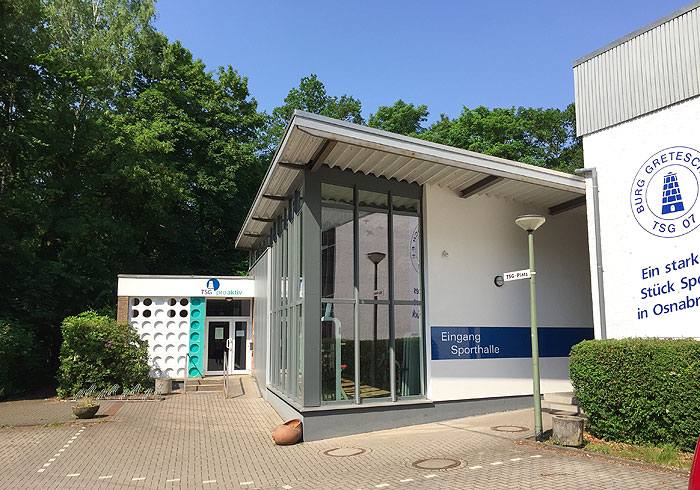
point(312, 140)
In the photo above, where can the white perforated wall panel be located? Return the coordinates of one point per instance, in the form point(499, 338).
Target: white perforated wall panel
point(164, 323)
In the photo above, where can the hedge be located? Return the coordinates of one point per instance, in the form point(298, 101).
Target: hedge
point(639, 390)
point(96, 350)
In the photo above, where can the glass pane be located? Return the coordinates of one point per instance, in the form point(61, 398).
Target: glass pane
point(373, 256)
point(240, 345)
point(228, 307)
point(300, 256)
point(337, 352)
point(282, 355)
point(405, 204)
point(337, 253)
point(218, 334)
point(300, 353)
point(409, 354)
point(374, 351)
point(372, 199)
point(336, 193)
point(407, 266)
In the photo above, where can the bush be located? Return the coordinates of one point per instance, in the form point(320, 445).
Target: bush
point(98, 350)
point(639, 390)
point(22, 362)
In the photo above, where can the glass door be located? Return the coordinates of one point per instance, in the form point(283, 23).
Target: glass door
point(240, 346)
point(217, 345)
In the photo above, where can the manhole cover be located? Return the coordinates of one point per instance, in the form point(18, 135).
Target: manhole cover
point(509, 428)
point(436, 464)
point(344, 452)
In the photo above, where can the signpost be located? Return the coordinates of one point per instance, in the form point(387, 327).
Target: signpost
point(515, 275)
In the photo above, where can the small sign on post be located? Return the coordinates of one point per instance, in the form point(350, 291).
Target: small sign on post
point(515, 275)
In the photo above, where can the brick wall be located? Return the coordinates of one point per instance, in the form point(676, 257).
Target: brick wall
point(123, 309)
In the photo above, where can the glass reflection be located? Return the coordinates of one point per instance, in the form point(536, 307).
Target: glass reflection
point(337, 352)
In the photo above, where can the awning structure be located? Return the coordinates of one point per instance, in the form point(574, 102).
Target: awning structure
point(312, 140)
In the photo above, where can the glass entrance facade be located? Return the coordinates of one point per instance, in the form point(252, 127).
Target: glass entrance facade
point(347, 295)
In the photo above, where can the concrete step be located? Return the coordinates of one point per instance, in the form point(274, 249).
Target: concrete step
point(566, 398)
point(205, 388)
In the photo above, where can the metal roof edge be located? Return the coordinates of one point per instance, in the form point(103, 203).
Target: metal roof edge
point(178, 276)
point(544, 174)
point(266, 179)
point(436, 152)
point(638, 32)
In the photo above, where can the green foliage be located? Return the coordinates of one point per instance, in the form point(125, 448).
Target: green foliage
point(542, 137)
point(311, 96)
point(119, 153)
point(639, 390)
point(401, 118)
point(98, 350)
point(22, 360)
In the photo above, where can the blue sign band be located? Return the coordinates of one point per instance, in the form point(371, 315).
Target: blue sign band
point(503, 342)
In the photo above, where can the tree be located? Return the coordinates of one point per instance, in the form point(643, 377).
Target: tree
point(311, 96)
point(123, 154)
point(400, 118)
point(542, 137)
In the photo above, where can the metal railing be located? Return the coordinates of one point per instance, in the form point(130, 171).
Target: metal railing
point(225, 374)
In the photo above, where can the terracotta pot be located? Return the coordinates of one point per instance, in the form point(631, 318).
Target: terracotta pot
point(287, 433)
point(85, 412)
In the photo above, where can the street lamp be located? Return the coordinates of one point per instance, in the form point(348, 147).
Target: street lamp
point(529, 223)
point(376, 258)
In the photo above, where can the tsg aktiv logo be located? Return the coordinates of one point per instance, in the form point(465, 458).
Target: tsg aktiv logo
point(665, 191)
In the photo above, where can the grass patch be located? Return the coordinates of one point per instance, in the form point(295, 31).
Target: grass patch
point(53, 424)
point(3, 426)
point(665, 455)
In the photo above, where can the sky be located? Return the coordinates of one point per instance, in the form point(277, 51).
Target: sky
point(444, 54)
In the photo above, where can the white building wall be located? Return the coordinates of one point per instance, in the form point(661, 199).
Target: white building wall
point(166, 328)
point(468, 243)
point(618, 153)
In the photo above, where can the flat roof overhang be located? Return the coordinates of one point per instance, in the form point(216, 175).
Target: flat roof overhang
point(311, 140)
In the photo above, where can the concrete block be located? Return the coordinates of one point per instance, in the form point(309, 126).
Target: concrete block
point(164, 386)
point(567, 430)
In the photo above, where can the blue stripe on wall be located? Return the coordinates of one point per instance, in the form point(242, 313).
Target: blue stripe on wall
point(503, 342)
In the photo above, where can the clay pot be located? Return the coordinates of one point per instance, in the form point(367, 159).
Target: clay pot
point(287, 433)
point(86, 412)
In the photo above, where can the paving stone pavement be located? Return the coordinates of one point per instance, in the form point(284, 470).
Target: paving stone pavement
point(39, 412)
point(208, 442)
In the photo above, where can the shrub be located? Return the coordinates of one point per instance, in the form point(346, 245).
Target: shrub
point(98, 350)
point(640, 390)
point(21, 360)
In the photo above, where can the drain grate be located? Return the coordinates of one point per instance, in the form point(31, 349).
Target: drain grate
point(509, 428)
point(344, 452)
point(436, 464)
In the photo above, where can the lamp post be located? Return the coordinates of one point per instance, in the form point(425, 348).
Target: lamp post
point(529, 223)
point(376, 258)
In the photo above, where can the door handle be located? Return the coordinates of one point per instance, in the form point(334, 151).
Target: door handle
point(229, 343)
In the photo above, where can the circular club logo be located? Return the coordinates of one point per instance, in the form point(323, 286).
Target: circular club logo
point(665, 191)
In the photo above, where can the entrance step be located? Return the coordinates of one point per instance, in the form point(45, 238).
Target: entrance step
point(214, 384)
point(562, 403)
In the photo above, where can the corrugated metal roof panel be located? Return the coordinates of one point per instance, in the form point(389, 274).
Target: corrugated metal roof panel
point(648, 70)
point(373, 152)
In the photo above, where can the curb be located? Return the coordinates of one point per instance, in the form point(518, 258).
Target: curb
point(572, 451)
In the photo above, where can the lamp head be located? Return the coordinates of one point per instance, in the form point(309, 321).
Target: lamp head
point(376, 257)
point(530, 222)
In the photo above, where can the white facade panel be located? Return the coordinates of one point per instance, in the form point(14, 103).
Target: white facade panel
point(468, 243)
point(636, 242)
point(209, 287)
